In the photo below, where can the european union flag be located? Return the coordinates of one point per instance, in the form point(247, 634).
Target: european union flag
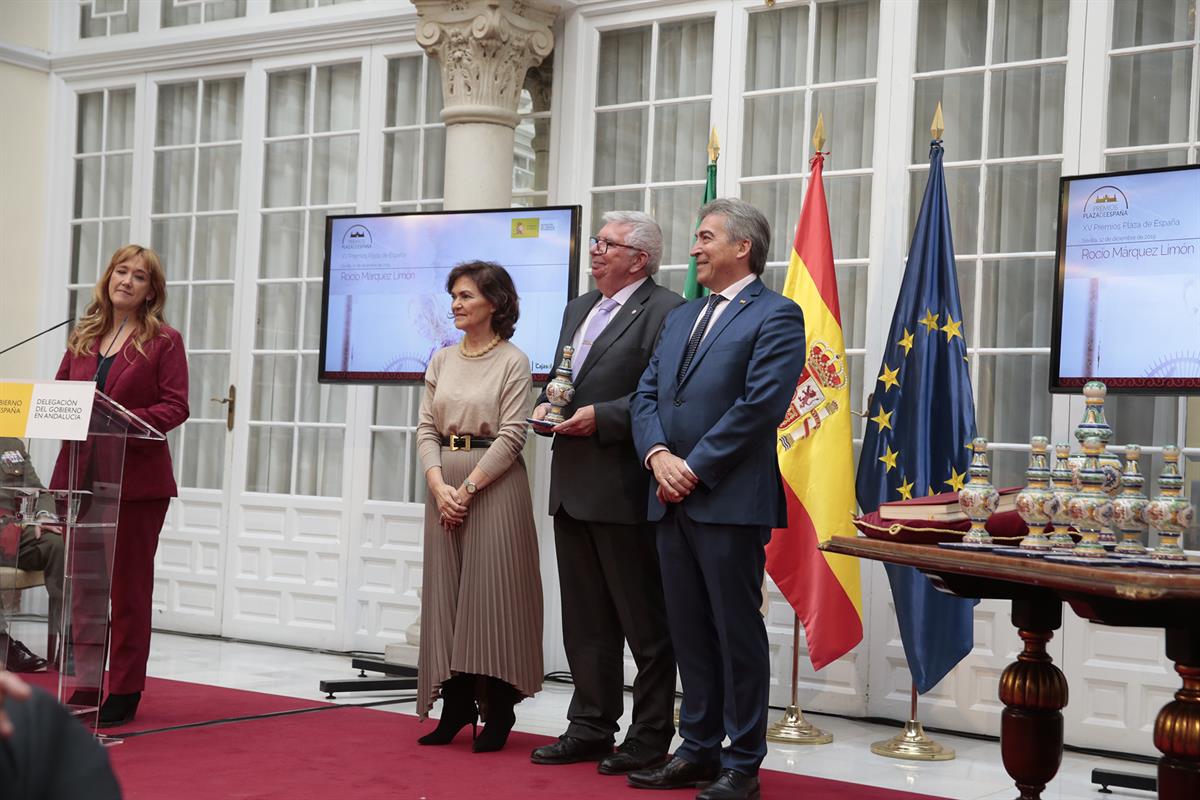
point(923, 418)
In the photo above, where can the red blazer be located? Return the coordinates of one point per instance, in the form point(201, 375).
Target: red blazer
point(153, 386)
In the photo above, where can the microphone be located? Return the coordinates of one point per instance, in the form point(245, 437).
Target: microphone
point(66, 321)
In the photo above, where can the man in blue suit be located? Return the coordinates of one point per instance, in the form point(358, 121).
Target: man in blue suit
point(705, 416)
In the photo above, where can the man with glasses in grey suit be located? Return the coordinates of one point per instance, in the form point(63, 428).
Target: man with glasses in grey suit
point(607, 563)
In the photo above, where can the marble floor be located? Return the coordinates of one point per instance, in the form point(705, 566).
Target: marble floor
point(976, 774)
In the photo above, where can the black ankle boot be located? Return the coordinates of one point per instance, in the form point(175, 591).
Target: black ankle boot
point(458, 711)
point(119, 709)
point(500, 717)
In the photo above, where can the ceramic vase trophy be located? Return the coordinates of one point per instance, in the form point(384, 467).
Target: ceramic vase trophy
point(979, 499)
point(560, 390)
point(1129, 507)
point(1037, 502)
point(1095, 424)
point(1063, 483)
point(1170, 512)
point(1091, 508)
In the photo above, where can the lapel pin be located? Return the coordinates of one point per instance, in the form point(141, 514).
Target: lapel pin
point(743, 302)
point(631, 313)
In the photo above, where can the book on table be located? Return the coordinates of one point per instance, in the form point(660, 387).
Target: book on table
point(942, 507)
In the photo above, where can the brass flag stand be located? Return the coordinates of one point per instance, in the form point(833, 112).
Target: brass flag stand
point(912, 743)
point(793, 728)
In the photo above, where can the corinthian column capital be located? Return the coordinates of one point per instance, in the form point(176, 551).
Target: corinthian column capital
point(485, 48)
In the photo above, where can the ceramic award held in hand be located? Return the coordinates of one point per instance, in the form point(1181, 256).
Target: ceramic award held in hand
point(559, 392)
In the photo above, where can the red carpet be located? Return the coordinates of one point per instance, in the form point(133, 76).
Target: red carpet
point(168, 703)
point(366, 754)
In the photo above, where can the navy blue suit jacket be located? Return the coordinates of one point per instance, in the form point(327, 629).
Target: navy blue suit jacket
point(723, 417)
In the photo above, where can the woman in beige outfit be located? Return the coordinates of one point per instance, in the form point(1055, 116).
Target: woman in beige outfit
point(481, 612)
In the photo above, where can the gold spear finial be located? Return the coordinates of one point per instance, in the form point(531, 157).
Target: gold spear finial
point(939, 125)
point(714, 146)
point(818, 140)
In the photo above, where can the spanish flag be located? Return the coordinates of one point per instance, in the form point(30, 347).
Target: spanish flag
point(816, 456)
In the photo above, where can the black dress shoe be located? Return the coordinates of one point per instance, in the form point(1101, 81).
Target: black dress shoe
point(118, 709)
point(630, 757)
point(21, 659)
point(732, 785)
point(677, 773)
point(569, 750)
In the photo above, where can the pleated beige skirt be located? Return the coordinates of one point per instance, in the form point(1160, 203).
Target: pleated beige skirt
point(481, 596)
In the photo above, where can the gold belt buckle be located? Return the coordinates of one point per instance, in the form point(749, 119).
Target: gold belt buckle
point(465, 439)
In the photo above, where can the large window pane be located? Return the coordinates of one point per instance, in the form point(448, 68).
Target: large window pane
point(269, 460)
point(951, 34)
point(1027, 107)
point(961, 97)
point(283, 173)
point(287, 103)
point(1008, 383)
point(1015, 307)
point(770, 144)
point(850, 112)
point(680, 138)
point(1018, 197)
point(274, 389)
point(282, 245)
point(278, 321)
point(675, 210)
point(1149, 95)
point(335, 101)
point(1029, 29)
point(777, 48)
point(1139, 22)
point(847, 40)
point(620, 147)
point(216, 247)
point(623, 74)
point(684, 67)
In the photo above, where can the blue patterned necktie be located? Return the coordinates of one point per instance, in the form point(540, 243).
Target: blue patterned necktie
point(595, 327)
point(697, 334)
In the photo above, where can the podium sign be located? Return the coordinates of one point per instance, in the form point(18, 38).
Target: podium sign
point(86, 496)
point(46, 409)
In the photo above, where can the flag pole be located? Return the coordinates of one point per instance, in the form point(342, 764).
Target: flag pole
point(913, 743)
point(792, 727)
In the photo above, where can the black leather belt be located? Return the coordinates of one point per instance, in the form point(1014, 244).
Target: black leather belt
point(466, 441)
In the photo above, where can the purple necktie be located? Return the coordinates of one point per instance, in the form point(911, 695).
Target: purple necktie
point(593, 331)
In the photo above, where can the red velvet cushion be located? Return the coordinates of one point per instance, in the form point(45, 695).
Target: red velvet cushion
point(1005, 526)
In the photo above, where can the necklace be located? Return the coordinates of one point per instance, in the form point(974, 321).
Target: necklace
point(489, 347)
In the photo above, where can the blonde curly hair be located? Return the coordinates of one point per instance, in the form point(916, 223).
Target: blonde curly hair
point(99, 317)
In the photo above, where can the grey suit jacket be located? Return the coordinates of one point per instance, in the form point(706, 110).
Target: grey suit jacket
point(599, 478)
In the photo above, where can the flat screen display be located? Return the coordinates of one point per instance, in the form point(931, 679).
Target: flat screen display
point(385, 310)
point(1127, 298)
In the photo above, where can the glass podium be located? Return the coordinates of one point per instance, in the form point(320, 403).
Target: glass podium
point(83, 508)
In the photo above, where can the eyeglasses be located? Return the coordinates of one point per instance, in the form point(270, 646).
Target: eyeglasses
point(601, 245)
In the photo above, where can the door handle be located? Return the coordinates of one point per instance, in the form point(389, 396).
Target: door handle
point(230, 404)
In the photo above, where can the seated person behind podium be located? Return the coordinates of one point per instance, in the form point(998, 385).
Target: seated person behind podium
point(125, 346)
point(37, 548)
point(481, 600)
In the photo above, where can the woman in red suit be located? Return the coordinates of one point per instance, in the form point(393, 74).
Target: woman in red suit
point(125, 346)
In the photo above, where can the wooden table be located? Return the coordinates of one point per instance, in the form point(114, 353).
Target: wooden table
point(1032, 689)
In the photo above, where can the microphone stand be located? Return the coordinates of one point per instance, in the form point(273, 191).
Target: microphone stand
point(66, 321)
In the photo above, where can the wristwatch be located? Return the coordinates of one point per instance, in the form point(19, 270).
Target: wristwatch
point(470, 486)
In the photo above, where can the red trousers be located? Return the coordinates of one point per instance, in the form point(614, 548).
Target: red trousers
point(138, 527)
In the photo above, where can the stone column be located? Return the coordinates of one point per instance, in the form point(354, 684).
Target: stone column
point(485, 47)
